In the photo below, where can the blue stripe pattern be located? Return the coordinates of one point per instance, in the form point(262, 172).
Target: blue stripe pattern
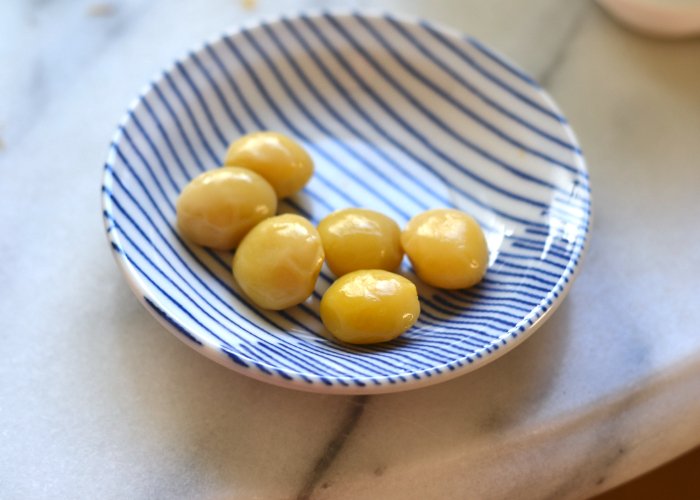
point(399, 116)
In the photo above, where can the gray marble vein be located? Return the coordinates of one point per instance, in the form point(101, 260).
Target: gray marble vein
point(334, 447)
point(573, 27)
point(50, 30)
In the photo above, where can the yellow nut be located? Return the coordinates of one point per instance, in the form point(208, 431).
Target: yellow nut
point(447, 248)
point(278, 262)
point(366, 307)
point(357, 238)
point(276, 157)
point(220, 206)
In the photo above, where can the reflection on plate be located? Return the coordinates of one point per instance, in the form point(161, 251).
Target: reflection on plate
point(399, 116)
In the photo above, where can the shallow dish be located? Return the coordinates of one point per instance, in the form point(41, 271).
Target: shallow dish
point(399, 116)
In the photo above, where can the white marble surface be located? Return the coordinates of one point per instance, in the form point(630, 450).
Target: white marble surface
point(97, 400)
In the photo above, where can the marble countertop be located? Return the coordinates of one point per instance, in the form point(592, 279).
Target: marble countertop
point(97, 400)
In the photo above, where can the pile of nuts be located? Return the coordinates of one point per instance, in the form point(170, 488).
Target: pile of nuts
point(279, 257)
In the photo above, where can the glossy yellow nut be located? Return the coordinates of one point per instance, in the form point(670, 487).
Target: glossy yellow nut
point(357, 238)
point(278, 262)
point(447, 248)
point(276, 157)
point(219, 207)
point(366, 307)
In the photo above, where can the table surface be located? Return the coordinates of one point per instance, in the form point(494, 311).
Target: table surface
point(97, 400)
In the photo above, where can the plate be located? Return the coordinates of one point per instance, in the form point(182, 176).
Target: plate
point(399, 116)
point(661, 18)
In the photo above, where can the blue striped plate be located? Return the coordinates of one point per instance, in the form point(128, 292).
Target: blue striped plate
point(400, 116)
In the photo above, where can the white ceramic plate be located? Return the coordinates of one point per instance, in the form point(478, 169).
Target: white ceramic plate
point(661, 18)
point(400, 116)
